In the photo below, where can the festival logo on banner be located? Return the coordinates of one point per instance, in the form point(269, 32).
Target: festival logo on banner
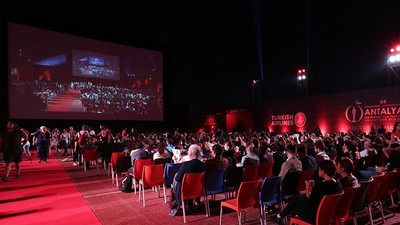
point(289, 119)
point(382, 112)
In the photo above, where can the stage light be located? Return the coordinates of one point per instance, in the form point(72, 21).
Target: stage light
point(392, 59)
point(392, 50)
point(299, 71)
point(304, 77)
point(299, 77)
point(304, 70)
point(398, 48)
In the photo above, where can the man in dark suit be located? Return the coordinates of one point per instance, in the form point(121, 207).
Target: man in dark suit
point(307, 208)
point(192, 166)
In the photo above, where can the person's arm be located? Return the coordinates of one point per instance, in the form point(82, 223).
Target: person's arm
point(387, 151)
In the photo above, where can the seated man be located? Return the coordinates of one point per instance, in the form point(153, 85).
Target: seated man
point(192, 166)
point(139, 153)
point(217, 162)
point(250, 157)
point(307, 208)
point(292, 164)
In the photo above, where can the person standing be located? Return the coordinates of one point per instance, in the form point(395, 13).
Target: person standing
point(10, 143)
point(82, 139)
point(42, 137)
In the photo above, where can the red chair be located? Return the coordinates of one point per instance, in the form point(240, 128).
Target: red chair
point(193, 186)
point(247, 198)
point(152, 176)
point(327, 211)
point(90, 155)
point(265, 170)
point(138, 169)
point(113, 163)
point(345, 203)
point(250, 172)
point(305, 175)
point(375, 196)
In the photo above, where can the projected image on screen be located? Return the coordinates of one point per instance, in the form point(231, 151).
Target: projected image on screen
point(59, 76)
point(95, 65)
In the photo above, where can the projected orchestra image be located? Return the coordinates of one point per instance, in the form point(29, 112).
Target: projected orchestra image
point(124, 83)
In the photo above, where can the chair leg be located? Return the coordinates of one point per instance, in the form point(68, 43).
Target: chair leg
point(207, 206)
point(140, 191)
point(371, 220)
point(382, 214)
point(105, 166)
point(84, 165)
point(263, 218)
point(116, 179)
point(240, 218)
point(355, 219)
point(244, 216)
point(134, 184)
point(220, 216)
point(112, 174)
point(184, 212)
point(144, 200)
point(159, 190)
point(165, 195)
point(391, 199)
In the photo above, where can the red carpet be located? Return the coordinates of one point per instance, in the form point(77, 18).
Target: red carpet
point(45, 194)
point(67, 102)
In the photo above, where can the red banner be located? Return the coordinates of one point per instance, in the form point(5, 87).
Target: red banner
point(344, 112)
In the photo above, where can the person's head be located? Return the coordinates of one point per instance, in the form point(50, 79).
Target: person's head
point(290, 150)
point(319, 146)
point(43, 129)
point(367, 144)
point(301, 151)
point(194, 151)
point(85, 127)
point(249, 147)
point(12, 126)
point(345, 164)
point(102, 126)
point(326, 168)
point(396, 127)
point(216, 151)
point(161, 147)
point(348, 146)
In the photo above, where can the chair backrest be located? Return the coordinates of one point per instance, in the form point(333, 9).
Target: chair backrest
point(169, 172)
point(123, 164)
point(90, 155)
point(234, 176)
point(327, 210)
point(152, 175)
point(215, 181)
point(193, 185)
point(393, 181)
point(373, 190)
point(265, 170)
point(248, 194)
point(270, 192)
point(346, 200)
point(250, 172)
point(360, 199)
point(138, 167)
point(162, 161)
point(305, 175)
point(114, 158)
point(290, 183)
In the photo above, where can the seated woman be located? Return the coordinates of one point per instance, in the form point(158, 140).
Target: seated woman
point(307, 208)
point(161, 153)
point(345, 168)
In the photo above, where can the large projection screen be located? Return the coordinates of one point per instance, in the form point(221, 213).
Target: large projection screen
point(54, 75)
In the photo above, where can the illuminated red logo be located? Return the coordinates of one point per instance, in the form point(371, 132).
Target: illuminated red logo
point(300, 119)
point(354, 113)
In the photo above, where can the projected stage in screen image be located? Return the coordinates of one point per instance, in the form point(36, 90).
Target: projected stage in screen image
point(60, 76)
point(95, 65)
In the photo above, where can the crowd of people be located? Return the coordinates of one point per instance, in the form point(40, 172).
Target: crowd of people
point(341, 160)
point(95, 98)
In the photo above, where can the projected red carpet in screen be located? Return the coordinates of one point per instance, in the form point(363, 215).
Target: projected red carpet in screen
point(44, 195)
point(68, 102)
